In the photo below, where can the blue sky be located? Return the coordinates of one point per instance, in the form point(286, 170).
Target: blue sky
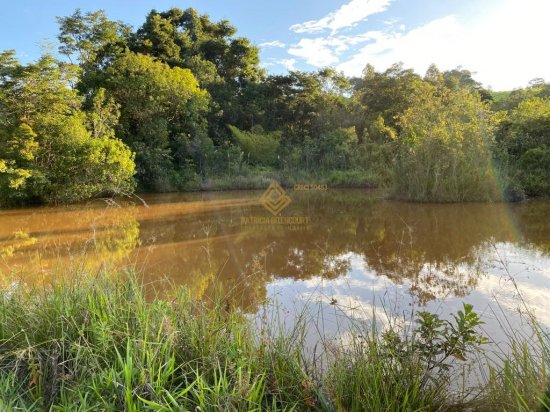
point(503, 41)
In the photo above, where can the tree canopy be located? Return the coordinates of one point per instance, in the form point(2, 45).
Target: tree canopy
point(47, 149)
point(181, 101)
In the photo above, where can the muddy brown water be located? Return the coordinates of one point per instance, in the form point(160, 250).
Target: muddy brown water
point(343, 250)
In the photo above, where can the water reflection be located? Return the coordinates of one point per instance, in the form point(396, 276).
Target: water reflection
point(433, 251)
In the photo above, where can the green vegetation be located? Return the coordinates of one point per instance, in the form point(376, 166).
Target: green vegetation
point(98, 343)
point(50, 149)
point(525, 137)
point(181, 103)
point(445, 151)
point(161, 118)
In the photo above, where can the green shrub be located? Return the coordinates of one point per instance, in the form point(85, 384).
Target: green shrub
point(445, 152)
point(350, 178)
point(376, 160)
point(391, 372)
point(535, 171)
point(50, 151)
point(259, 147)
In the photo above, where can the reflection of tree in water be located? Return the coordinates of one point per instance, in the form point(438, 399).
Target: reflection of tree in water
point(437, 248)
point(533, 219)
point(238, 261)
point(11, 245)
point(64, 237)
point(451, 280)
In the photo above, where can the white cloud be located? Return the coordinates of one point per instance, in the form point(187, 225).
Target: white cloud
point(324, 51)
point(505, 48)
point(317, 52)
point(417, 48)
point(289, 64)
point(270, 44)
point(346, 16)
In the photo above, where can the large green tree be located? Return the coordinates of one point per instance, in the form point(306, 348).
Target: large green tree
point(225, 64)
point(162, 118)
point(93, 41)
point(524, 138)
point(379, 98)
point(47, 151)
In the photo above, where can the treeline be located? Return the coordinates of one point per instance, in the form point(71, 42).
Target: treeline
point(182, 103)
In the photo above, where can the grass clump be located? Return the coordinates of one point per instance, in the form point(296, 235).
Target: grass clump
point(518, 378)
point(405, 372)
point(99, 343)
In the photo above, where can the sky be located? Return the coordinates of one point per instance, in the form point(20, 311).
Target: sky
point(504, 42)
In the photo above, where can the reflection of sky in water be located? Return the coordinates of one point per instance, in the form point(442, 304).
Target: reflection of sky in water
point(363, 294)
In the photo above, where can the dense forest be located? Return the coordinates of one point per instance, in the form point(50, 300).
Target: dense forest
point(182, 103)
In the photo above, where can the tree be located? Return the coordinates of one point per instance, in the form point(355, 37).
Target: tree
point(18, 150)
point(87, 36)
point(306, 104)
point(463, 79)
point(384, 95)
point(524, 137)
point(510, 100)
point(535, 171)
point(258, 147)
point(46, 151)
point(227, 66)
point(161, 117)
point(92, 40)
point(187, 39)
point(103, 116)
point(527, 127)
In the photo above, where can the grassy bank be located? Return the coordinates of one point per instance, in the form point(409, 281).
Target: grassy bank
point(98, 343)
point(260, 180)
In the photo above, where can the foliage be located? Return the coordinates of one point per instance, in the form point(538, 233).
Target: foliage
point(523, 137)
point(336, 148)
point(88, 35)
point(403, 372)
point(535, 171)
point(94, 41)
point(445, 152)
point(47, 152)
point(161, 118)
point(438, 340)
point(258, 147)
point(527, 127)
point(509, 100)
point(227, 66)
point(188, 96)
point(381, 97)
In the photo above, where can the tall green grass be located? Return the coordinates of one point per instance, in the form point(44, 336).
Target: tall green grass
point(518, 372)
point(101, 343)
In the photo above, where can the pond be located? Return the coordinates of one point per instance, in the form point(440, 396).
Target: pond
point(346, 251)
